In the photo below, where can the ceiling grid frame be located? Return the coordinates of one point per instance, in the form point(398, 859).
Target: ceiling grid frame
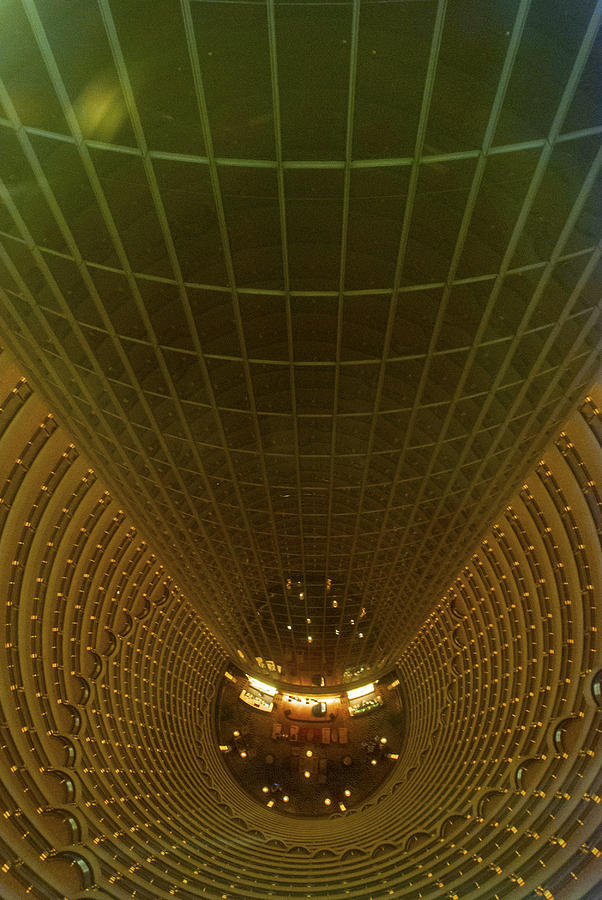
point(368, 540)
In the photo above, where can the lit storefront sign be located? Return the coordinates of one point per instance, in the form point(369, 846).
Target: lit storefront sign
point(360, 691)
point(262, 686)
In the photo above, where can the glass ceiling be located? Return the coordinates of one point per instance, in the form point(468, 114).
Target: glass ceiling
point(311, 282)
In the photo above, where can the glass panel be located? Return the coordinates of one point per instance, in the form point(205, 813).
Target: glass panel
point(313, 43)
point(314, 220)
point(393, 51)
point(189, 204)
point(232, 43)
point(156, 55)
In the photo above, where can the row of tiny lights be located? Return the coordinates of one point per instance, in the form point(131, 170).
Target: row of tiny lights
point(335, 604)
point(307, 774)
point(286, 798)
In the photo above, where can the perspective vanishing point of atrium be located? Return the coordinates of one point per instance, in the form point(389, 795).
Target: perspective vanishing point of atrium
point(300, 449)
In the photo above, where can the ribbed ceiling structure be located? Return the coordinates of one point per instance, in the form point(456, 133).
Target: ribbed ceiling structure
point(311, 283)
point(300, 303)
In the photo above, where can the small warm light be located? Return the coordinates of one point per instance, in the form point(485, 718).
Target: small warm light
point(243, 754)
point(224, 748)
point(307, 773)
point(342, 807)
point(373, 762)
point(383, 740)
point(309, 621)
point(327, 801)
point(347, 792)
point(361, 634)
point(285, 798)
point(290, 627)
point(393, 755)
point(309, 638)
point(335, 603)
point(236, 733)
point(270, 803)
point(309, 753)
point(265, 789)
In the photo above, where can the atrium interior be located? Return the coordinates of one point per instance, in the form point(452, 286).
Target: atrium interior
point(300, 439)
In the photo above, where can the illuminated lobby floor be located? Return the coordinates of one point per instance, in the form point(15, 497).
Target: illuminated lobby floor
point(342, 773)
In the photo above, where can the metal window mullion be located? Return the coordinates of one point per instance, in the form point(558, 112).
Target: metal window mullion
point(175, 264)
point(523, 215)
point(563, 237)
point(90, 170)
point(272, 44)
point(325, 165)
point(458, 249)
point(275, 292)
point(475, 187)
point(587, 366)
point(76, 256)
point(64, 409)
point(274, 82)
point(405, 231)
point(42, 320)
point(206, 128)
point(351, 95)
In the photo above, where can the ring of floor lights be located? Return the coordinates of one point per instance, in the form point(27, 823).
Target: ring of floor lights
point(108, 755)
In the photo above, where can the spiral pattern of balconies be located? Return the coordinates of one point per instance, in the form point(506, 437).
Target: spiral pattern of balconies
point(113, 784)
